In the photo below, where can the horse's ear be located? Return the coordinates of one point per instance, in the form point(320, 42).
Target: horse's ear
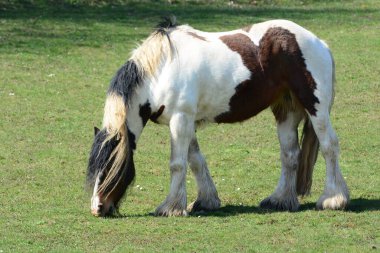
point(96, 130)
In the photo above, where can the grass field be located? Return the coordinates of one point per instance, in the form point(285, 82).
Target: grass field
point(55, 66)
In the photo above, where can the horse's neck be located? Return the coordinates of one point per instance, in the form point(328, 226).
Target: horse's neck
point(137, 110)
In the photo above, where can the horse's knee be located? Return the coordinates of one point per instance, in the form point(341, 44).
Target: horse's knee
point(177, 166)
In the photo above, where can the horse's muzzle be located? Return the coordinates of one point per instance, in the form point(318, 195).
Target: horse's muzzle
point(101, 208)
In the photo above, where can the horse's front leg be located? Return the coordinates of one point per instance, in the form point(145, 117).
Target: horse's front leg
point(182, 131)
point(207, 195)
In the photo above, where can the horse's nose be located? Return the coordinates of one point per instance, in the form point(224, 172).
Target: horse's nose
point(96, 206)
point(97, 211)
point(101, 207)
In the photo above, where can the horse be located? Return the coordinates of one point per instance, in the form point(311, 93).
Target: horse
point(183, 77)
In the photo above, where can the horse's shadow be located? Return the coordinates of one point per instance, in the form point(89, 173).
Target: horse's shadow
point(363, 205)
point(356, 206)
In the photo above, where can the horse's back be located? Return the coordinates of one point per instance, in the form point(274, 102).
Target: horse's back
point(202, 77)
point(232, 76)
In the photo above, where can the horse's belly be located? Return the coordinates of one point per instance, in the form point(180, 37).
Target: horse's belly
point(214, 102)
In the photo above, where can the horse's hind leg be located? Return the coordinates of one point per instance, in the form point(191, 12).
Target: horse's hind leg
point(182, 131)
point(335, 195)
point(285, 195)
point(207, 195)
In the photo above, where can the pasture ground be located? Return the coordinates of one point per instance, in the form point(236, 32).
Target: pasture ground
point(55, 66)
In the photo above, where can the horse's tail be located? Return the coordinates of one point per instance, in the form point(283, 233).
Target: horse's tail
point(308, 157)
point(114, 122)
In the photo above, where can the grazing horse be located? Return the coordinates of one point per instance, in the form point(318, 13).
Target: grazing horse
point(181, 77)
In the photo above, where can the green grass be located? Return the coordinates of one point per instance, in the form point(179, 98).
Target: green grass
point(55, 66)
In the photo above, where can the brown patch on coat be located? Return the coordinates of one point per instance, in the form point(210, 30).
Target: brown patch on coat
point(277, 68)
point(281, 55)
point(196, 36)
point(247, 28)
point(255, 94)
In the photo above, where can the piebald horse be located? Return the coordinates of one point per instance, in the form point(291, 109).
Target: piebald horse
point(180, 77)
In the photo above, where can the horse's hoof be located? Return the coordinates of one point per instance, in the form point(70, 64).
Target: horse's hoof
point(336, 202)
point(200, 205)
point(168, 210)
point(272, 203)
point(171, 213)
point(195, 206)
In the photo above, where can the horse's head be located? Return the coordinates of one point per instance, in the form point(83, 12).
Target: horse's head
point(110, 171)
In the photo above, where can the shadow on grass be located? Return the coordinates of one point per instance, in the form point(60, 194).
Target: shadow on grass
point(197, 13)
point(232, 210)
point(364, 205)
point(356, 206)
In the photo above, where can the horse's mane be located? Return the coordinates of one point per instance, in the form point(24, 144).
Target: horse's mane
point(155, 48)
point(144, 62)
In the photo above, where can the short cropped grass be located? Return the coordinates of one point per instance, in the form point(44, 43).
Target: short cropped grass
point(55, 65)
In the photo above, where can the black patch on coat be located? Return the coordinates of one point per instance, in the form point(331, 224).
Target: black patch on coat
point(145, 112)
point(154, 117)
